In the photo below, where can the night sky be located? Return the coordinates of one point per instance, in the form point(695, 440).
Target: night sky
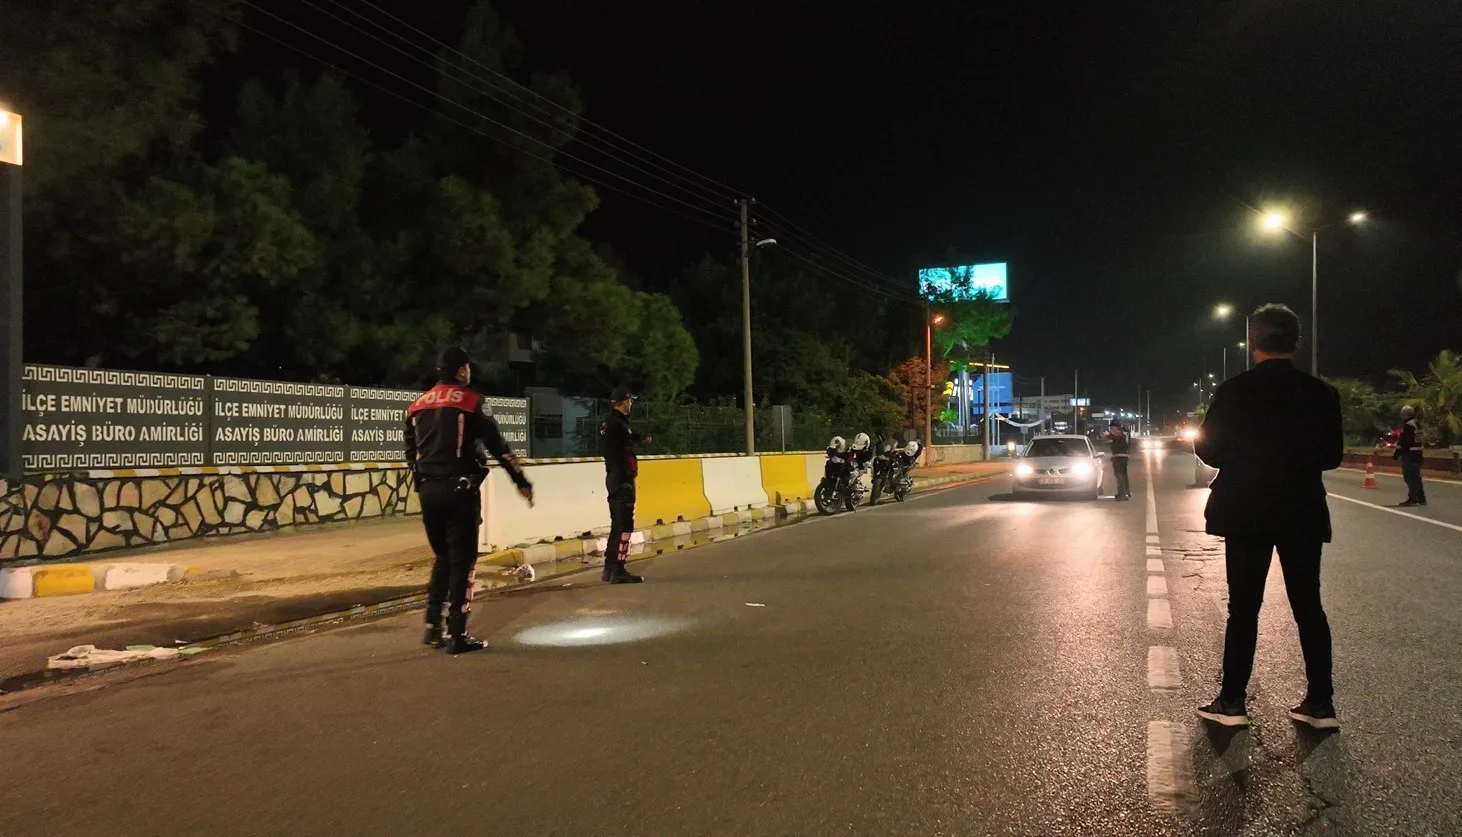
point(1112, 155)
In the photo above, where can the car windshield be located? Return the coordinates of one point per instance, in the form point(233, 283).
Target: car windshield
point(1058, 447)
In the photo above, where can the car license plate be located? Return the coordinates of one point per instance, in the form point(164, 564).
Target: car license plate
point(1051, 481)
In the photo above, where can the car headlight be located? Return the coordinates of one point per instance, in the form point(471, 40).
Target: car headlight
point(1190, 434)
point(1024, 470)
point(1082, 469)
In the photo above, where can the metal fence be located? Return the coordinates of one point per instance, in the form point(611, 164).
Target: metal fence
point(570, 427)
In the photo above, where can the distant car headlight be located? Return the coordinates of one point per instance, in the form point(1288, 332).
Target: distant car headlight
point(1190, 434)
point(1024, 470)
point(1082, 469)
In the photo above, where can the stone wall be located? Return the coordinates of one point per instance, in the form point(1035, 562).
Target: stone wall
point(63, 514)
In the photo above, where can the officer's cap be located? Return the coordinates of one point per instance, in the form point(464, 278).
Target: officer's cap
point(622, 394)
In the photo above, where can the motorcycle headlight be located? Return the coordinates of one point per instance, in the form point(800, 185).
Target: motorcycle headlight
point(1024, 470)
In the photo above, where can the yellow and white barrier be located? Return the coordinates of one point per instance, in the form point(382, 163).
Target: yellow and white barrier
point(734, 484)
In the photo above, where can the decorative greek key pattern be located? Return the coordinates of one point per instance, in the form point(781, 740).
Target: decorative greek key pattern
point(276, 457)
point(507, 403)
point(94, 461)
point(249, 386)
point(383, 394)
point(110, 377)
point(377, 455)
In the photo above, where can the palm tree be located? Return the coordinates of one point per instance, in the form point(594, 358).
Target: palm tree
point(1437, 396)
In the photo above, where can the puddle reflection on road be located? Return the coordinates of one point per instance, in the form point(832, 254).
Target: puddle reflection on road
point(604, 630)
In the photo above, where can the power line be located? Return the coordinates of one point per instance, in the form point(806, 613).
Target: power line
point(873, 277)
point(550, 102)
point(826, 271)
point(841, 255)
point(478, 114)
point(580, 137)
point(728, 220)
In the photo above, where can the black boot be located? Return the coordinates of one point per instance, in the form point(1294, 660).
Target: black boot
point(609, 564)
point(434, 636)
point(615, 573)
point(458, 640)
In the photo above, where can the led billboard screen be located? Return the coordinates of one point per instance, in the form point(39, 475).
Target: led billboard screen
point(965, 281)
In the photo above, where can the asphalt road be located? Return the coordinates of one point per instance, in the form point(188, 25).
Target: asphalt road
point(959, 664)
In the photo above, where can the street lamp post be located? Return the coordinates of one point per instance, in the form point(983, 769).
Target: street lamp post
point(1278, 220)
point(11, 249)
point(929, 324)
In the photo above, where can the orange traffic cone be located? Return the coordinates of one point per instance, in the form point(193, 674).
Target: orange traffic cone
point(1371, 473)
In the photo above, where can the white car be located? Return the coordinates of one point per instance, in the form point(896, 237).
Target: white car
point(1059, 465)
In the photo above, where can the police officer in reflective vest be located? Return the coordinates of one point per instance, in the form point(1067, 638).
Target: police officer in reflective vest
point(618, 441)
point(449, 432)
point(1409, 452)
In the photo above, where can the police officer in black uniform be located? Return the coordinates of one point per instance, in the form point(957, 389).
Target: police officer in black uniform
point(449, 432)
point(1409, 452)
point(618, 441)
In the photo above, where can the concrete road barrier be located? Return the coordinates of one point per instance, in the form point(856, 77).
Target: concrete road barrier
point(734, 484)
point(669, 490)
point(784, 477)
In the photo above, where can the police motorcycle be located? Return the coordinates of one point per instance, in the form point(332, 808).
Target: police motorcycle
point(842, 475)
point(891, 467)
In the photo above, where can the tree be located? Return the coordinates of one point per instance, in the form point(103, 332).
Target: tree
point(1361, 409)
point(1437, 397)
point(971, 322)
point(912, 380)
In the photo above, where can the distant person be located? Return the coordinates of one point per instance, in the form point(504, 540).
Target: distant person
point(449, 432)
point(1409, 451)
point(1121, 454)
point(1272, 432)
point(621, 468)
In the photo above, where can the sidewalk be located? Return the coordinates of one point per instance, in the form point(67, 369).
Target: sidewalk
point(243, 582)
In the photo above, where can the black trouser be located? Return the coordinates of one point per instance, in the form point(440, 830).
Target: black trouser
point(621, 523)
point(1411, 472)
point(451, 511)
point(1124, 485)
point(1247, 561)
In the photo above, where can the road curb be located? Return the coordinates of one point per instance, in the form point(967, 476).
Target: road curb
point(46, 580)
point(401, 604)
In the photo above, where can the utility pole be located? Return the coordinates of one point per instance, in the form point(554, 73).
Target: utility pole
point(1315, 303)
point(1076, 402)
point(12, 365)
point(928, 379)
point(1043, 403)
point(989, 418)
point(746, 396)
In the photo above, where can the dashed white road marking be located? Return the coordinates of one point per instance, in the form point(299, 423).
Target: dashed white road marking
point(1157, 585)
point(1152, 538)
point(1162, 669)
point(1154, 565)
point(1154, 551)
point(1454, 527)
point(1159, 614)
point(1169, 782)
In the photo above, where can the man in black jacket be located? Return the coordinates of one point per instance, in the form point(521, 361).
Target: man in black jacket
point(449, 432)
point(1272, 432)
point(618, 440)
point(1409, 451)
point(1121, 456)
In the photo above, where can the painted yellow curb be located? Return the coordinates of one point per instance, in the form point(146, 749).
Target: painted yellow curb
point(64, 581)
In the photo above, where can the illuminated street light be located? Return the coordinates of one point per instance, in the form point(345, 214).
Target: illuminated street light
point(1278, 220)
point(12, 157)
point(1274, 220)
point(1222, 311)
point(929, 324)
